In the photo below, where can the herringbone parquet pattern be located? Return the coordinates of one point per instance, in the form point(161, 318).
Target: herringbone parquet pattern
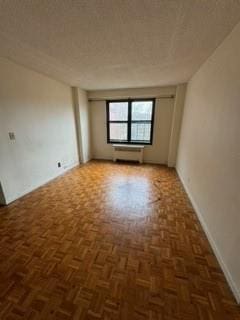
point(109, 241)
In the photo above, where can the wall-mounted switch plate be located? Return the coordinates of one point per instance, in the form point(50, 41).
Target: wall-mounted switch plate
point(11, 135)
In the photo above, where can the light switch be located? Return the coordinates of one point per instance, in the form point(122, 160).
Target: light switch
point(11, 135)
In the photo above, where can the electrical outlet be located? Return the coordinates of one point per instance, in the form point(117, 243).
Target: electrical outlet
point(11, 135)
point(59, 164)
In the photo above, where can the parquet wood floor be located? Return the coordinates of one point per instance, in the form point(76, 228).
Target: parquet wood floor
point(109, 241)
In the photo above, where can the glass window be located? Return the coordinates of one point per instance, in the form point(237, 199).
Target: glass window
point(142, 110)
point(130, 121)
point(118, 111)
point(141, 132)
point(118, 131)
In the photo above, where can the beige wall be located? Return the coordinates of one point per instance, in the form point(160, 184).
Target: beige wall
point(158, 151)
point(40, 112)
point(2, 198)
point(100, 148)
point(209, 152)
point(83, 123)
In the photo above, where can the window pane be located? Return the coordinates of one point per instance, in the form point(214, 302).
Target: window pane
point(141, 132)
point(118, 111)
point(118, 131)
point(142, 110)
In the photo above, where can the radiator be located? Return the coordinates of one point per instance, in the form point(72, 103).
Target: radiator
point(128, 152)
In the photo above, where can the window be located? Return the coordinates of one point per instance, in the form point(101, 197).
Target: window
point(130, 121)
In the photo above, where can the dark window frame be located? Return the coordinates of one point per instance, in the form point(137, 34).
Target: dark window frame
point(129, 121)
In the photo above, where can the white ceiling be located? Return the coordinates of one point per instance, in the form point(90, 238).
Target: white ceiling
point(104, 44)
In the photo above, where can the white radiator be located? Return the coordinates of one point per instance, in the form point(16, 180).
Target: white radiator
point(128, 152)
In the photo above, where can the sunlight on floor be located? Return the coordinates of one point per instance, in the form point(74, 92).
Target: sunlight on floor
point(129, 192)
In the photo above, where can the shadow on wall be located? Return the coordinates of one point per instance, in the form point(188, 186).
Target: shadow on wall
point(2, 198)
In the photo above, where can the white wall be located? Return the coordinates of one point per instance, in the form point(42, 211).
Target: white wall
point(176, 124)
point(158, 151)
point(209, 152)
point(83, 123)
point(40, 112)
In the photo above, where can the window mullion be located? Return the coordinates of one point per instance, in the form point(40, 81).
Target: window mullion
point(141, 121)
point(129, 119)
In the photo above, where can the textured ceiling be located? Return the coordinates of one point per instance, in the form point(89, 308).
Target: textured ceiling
point(104, 44)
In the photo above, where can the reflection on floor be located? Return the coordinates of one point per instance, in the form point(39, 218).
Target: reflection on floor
point(109, 241)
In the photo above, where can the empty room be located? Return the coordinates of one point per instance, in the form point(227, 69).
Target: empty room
point(120, 160)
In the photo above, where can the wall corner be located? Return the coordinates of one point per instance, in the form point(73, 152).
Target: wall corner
point(176, 123)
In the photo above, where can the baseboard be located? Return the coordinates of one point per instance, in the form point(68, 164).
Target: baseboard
point(216, 251)
point(26, 191)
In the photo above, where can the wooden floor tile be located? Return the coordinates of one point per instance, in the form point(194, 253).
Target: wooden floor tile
point(109, 241)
